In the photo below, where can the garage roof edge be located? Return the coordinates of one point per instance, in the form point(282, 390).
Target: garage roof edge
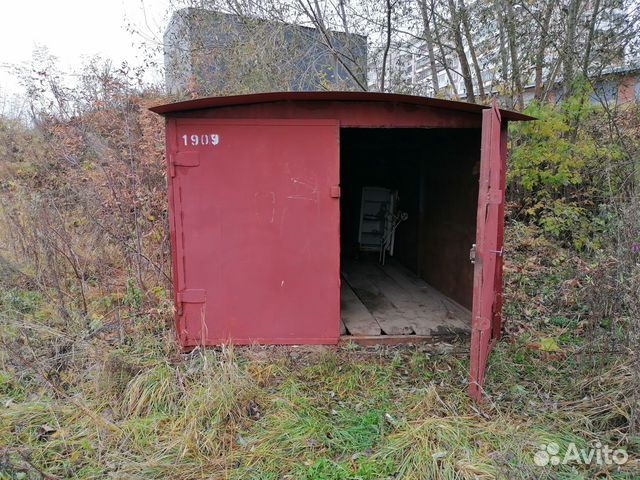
point(237, 100)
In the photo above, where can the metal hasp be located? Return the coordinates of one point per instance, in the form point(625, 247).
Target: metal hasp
point(256, 198)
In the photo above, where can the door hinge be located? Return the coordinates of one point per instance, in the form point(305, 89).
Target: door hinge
point(482, 324)
point(335, 191)
point(190, 296)
point(472, 254)
point(183, 159)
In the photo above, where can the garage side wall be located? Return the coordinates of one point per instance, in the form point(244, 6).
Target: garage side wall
point(449, 176)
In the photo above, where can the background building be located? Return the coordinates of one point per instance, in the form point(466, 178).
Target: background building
point(208, 52)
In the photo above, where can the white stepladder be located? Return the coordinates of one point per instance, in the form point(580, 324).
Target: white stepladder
point(389, 239)
point(379, 219)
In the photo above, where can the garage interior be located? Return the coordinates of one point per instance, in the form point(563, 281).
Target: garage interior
point(407, 222)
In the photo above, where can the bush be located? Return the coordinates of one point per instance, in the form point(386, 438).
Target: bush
point(564, 170)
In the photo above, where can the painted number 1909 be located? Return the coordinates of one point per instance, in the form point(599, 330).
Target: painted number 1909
point(203, 139)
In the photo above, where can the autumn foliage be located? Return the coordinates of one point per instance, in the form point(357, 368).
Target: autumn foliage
point(83, 202)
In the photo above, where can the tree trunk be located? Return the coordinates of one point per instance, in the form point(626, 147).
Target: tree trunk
point(516, 75)
point(551, 80)
point(504, 57)
point(462, 56)
point(568, 51)
point(343, 17)
point(386, 48)
point(542, 47)
point(443, 54)
point(464, 14)
point(588, 46)
point(426, 24)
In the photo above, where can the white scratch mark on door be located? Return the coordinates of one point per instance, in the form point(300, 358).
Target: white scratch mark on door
point(302, 197)
point(312, 190)
point(273, 206)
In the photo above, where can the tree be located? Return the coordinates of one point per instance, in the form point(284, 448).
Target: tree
point(501, 45)
point(427, 16)
point(455, 26)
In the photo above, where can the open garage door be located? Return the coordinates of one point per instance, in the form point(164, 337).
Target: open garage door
point(487, 281)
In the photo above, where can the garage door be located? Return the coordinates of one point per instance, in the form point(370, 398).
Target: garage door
point(487, 281)
point(255, 230)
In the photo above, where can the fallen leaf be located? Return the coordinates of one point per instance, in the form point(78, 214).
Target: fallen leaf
point(549, 345)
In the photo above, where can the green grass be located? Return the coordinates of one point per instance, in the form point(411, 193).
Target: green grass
point(347, 414)
point(140, 409)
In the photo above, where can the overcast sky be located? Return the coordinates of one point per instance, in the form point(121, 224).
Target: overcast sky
point(73, 30)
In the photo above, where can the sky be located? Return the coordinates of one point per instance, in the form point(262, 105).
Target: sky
point(74, 30)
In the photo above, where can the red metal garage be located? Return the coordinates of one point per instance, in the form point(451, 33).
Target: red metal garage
point(300, 217)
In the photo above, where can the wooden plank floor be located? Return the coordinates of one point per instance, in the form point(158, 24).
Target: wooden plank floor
point(391, 300)
point(355, 316)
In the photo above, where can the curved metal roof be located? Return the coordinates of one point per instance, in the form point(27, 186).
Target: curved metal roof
point(214, 102)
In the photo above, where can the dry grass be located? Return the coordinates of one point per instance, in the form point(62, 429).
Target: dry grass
point(271, 413)
point(93, 386)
